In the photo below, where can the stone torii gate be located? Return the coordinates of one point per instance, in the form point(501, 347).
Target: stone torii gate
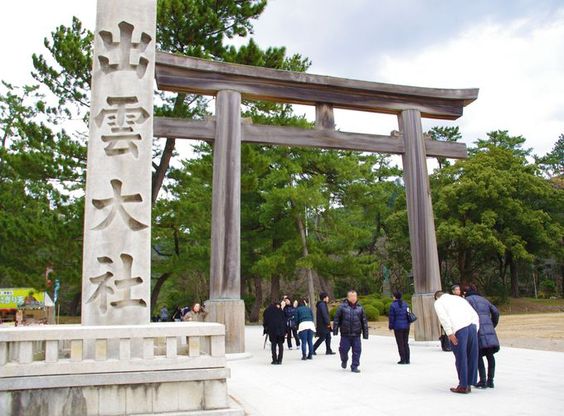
point(230, 83)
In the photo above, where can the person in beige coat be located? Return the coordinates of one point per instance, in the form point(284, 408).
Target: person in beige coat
point(197, 314)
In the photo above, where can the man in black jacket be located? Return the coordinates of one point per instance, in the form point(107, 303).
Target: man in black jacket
point(351, 319)
point(274, 323)
point(323, 328)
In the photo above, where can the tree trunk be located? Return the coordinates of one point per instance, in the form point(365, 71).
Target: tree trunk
point(562, 280)
point(156, 290)
point(324, 285)
point(305, 252)
point(501, 269)
point(162, 169)
point(275, 288)
point(255, 311)
point(75, 304)
point(514, 276)
point(160, 173)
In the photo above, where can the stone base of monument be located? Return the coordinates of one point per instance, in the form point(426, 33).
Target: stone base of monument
point(427, 327)
point(231, 313)
point(44, 370)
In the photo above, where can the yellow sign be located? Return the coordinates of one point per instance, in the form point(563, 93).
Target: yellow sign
point(14, 298)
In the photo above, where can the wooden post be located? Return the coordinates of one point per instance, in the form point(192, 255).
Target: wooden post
point(225, 305)
point(226, 233)
point(424, 256)
point(324, 117)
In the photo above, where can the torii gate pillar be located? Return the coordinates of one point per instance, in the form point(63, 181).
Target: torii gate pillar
point(225, 305)
point(423, 242)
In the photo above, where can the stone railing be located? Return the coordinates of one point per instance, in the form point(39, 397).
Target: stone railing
point(76, 349)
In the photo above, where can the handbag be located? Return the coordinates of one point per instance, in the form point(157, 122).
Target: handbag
point(411, 317)
point(445, 343)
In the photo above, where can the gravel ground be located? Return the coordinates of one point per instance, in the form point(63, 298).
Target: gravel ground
point(541, 331)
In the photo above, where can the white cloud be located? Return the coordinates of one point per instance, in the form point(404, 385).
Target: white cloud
point(518, 63)
point(518, 68)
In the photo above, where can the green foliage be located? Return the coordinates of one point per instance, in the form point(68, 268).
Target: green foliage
point(372, 313)
point(548, 288)
point(497, 292)
point(66, 70)
point(552, 164)
point(332, 312)
point(199, 27)
point(493, 210)
point(445, 134)
point(496, 212)
point(378, 305)
point(40, 168)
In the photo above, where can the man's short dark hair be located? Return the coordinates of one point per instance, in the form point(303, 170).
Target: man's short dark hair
point(323, 295)
point(438, 294)
point(352, 291)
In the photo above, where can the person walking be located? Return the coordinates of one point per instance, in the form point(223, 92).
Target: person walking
point(163, 315)
point(323, 327)
point(461, 323)
point(351, 320)
point(291, 327)
point(306, 328)
point(274, 324)
point(488, 342)
point(177, 314)
point(399, 323)
point(197, 313)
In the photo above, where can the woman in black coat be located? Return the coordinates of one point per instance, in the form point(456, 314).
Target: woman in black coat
point(487, 337)
point(274, 323)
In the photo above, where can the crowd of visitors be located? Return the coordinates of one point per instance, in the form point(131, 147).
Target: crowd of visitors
point(468, 323)
point(196, 312)
point(467, 319)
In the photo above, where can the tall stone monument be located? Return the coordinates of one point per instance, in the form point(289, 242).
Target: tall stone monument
point(117, 229)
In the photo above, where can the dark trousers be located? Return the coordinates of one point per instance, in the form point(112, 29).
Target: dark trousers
point(345, 345)
point(489, 354)
point(402, 339)
point(306, 337)
point(327, 339)
point(277, 343)
point(292, 330)
point(466, 354)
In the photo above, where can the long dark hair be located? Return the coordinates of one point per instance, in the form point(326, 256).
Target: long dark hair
point(302, 302)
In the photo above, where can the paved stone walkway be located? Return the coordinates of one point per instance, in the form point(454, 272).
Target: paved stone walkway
point(527, 383)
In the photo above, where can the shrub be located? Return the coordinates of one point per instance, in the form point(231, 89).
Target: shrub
point(372, 313)
point(547, 288)
point(498, 293)
point(387, 300)
point(378, 304)
point(332, 312)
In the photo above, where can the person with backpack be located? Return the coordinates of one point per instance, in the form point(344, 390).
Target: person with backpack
point(291, 327)
point(398, 321)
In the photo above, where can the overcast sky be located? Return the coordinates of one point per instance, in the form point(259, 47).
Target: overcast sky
point(513, 50)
